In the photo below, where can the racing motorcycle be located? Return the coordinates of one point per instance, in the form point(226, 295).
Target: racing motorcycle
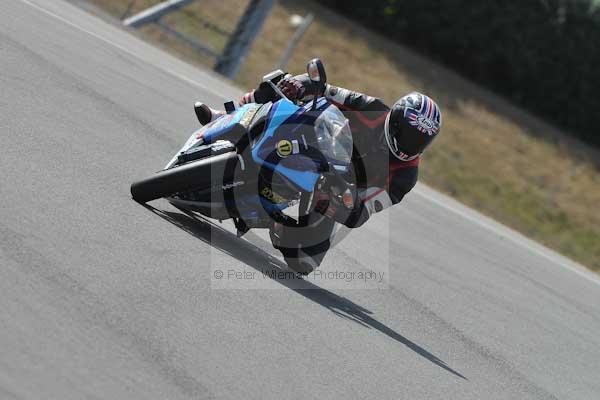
point(262, 163)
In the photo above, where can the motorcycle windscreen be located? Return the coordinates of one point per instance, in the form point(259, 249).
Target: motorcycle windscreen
point(284, 147)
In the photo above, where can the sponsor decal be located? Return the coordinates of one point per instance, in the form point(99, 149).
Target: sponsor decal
point(284, 148)
point(218, 188)
point(232, 185)
point(422, 123)
point(221, 144)
point(270, 195)
point(248, 116)
point(295, 147)
point(425, 123)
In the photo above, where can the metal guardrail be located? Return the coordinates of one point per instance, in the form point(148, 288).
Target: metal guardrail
point(239, 42)
point(300, 31)
point(154, 13)
point(227, 63)
point(199, 46)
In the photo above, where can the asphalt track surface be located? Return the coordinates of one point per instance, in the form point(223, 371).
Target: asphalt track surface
point(103, 298)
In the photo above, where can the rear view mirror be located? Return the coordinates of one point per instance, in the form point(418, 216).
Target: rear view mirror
point(316, 72)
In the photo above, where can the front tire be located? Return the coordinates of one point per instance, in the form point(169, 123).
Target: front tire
point(197, 174)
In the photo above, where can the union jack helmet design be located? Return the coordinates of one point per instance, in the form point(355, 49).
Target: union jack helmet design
point(411, 125)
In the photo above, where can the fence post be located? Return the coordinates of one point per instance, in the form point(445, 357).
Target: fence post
point(241, 40)
point(302, 28)
point(129, 8)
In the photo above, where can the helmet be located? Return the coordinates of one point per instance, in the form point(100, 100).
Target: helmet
point(411, 125)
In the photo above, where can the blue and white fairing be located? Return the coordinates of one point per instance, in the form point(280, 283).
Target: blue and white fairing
point(297, 143)
point(210, 133)
point(317, 138)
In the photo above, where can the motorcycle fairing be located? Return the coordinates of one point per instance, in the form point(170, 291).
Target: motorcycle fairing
point(284, 113)
point(284, 121)
point(210, 133)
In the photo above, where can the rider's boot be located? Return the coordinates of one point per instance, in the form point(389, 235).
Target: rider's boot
point(301, 260)
point(205, 114)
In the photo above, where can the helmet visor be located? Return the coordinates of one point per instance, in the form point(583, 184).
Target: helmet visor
point(405, 141)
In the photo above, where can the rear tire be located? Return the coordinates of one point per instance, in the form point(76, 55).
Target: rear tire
point(197, 174)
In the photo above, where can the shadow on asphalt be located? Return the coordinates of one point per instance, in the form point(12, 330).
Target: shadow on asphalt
point(263, 262)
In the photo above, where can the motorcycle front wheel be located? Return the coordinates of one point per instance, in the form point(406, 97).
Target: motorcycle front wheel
point(202, 173)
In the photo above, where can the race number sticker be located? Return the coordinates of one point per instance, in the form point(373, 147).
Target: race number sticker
point(284, 148)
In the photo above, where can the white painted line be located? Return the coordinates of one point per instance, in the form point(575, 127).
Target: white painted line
point(500, 230)
point(509, 234)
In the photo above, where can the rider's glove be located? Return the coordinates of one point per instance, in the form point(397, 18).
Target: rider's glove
point(247, 98)
point(291, 87)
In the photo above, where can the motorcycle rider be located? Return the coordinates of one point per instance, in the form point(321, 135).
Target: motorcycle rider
point(388, 143)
